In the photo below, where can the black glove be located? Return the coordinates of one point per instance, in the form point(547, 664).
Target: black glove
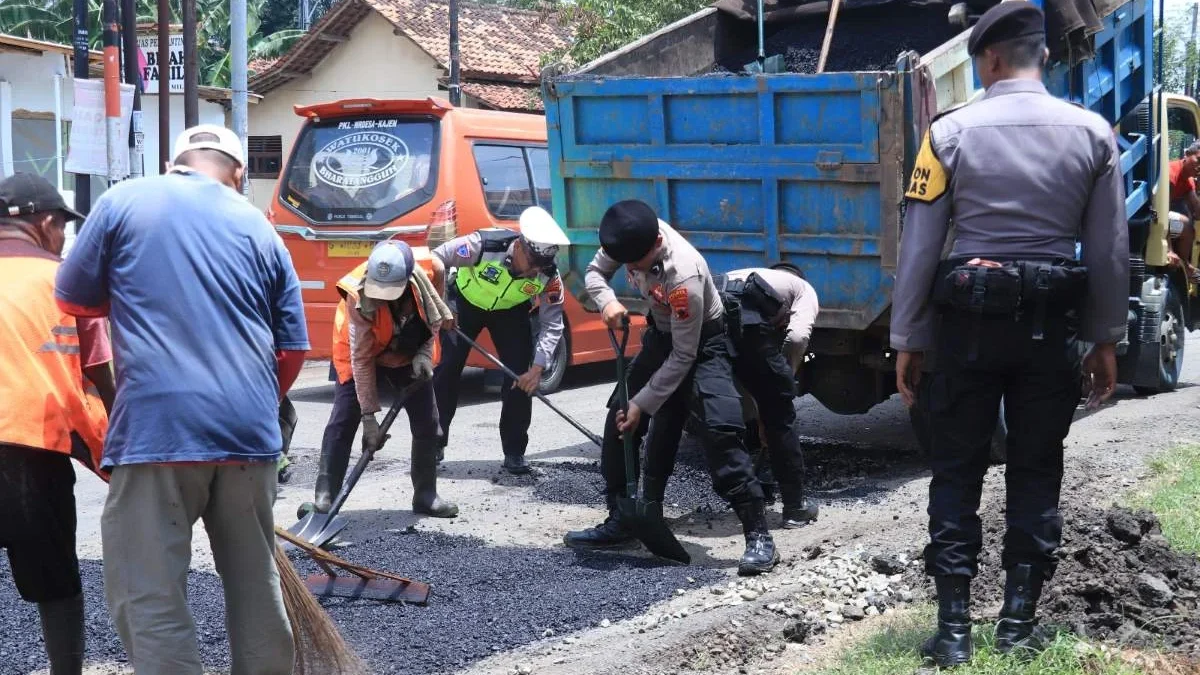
point(372, 436)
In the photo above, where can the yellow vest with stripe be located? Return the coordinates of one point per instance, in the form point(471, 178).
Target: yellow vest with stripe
point(488, 284)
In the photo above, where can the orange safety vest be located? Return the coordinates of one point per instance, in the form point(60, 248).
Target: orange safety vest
point(382, 328)
point(45, 395)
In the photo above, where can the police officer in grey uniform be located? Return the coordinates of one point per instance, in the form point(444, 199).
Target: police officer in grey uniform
point(500, 274)
point(770, 312)
point(1023, 175)
point(684, 363)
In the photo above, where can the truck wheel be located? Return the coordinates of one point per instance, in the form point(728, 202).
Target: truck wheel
point(556, 370)
point(1171, 342)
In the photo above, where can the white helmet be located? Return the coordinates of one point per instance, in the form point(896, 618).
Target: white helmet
point(541, 233)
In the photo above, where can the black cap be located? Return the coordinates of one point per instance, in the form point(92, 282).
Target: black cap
point(1008, 20)
point(25, 193)
point(788, 267)
point(628, 231)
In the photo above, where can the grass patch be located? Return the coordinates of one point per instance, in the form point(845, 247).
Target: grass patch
point(1173, 494)
point(894, 650)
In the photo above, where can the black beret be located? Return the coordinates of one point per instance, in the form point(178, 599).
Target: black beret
point(628, 231)
point(1006, 21)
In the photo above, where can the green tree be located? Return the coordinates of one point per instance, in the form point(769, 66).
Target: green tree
point(54, 22)
point(1177, 55)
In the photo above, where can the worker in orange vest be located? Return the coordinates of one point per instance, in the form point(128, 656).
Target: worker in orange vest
point(49, 413)
point(386, 326)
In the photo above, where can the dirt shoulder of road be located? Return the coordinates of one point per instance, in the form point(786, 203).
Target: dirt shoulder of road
point(699, 631)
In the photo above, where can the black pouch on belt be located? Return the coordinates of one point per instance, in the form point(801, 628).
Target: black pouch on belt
point(762, 297)
point(1058, 285)
point(991, 291)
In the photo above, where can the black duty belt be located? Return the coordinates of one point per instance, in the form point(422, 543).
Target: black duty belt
point(1009, 288)
point(709, 329)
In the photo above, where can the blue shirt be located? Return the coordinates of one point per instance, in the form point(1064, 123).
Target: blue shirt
point(200, 293)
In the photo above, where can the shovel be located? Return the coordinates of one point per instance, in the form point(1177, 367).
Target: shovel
point(319, 528)
point(764, 64)
point(508, 371)
point(643, 519)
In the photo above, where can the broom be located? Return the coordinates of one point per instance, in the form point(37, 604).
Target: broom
point(320, 649)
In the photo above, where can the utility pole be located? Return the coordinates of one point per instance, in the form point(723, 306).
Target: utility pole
point(164, 85)
point(455, 87)
point(83, 181)
point(191, 102)
point(1190, 85)
point(133, 75)
point(305, 13)
point(238, 47)
point(112, 86)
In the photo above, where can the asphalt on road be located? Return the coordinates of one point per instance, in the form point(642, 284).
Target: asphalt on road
point(500, 574)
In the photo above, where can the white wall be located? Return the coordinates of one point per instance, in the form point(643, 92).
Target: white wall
point(373, 63)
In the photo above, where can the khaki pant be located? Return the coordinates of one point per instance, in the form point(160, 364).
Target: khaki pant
point(147, 532)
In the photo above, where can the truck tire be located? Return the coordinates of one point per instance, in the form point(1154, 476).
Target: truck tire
point(556, 370)
point(1171, 342)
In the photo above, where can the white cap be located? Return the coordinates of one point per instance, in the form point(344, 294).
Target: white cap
point(541, 232)
point(201, 137)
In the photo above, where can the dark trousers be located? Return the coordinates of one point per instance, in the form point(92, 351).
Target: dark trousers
point(512, 334)
point(763, 370)
point(709, 393)
point(347, 415)
point(37, 495)
point(1039, 381)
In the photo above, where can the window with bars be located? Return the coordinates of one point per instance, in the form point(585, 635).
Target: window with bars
point(265, 156)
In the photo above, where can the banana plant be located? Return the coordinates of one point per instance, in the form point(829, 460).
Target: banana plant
point(53, 21)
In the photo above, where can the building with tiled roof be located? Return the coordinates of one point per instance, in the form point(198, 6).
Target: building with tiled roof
point(399, 49)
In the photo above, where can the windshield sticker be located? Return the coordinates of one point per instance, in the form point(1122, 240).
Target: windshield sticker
point(360, 160)
point(367, 124)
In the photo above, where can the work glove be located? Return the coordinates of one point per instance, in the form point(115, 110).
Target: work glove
point(372, 435)
point(422, 367)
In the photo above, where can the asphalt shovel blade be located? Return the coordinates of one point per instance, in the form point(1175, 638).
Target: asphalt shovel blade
point(645, 520)
point(317, 528)
point(356, 588)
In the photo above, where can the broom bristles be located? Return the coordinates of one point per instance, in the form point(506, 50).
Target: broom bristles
point(320, 649)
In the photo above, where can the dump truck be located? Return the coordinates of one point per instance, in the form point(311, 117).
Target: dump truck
point(758, 167)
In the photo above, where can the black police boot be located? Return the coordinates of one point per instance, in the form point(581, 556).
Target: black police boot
point(62, 628)
point(760, 555)
point(951, 645)
point(516, 464)
point(1017, 628)
point(424, 479)
point(330, 475)
point(607, 535)
point(798, 510)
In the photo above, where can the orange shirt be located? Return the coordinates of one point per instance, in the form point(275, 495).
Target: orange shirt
point(1181, 186)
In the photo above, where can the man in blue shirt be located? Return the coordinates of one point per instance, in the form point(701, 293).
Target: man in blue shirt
point(208, 333)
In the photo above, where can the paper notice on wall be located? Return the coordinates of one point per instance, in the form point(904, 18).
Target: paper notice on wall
point(87, 147)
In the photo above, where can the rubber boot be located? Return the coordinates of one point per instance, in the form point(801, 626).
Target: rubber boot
point(424, 479)
point(62, 628)
point(951, 645)
point(516, 464)
point(607, 535)
point(798, 510)
point(760, 555)
point(1017, 626)
point(330, 475)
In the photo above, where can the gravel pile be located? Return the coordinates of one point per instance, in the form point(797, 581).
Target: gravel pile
point(867, 39)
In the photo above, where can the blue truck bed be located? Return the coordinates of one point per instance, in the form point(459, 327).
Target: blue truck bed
point(804, 168)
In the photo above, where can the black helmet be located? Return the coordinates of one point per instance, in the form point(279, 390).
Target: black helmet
point(788, 267)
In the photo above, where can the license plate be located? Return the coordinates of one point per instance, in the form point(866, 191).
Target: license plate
point(350, 249)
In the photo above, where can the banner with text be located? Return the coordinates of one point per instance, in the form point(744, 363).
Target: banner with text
point(87, 146)
point(148, 62)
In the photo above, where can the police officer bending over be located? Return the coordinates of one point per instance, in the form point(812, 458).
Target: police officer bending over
point(500, 273)
point(684, 360)
point(770, 313)
point(1023, 175)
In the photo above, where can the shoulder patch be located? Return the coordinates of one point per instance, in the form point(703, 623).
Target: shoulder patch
point(463, 251)
point(678, 299)
point(929, 180)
